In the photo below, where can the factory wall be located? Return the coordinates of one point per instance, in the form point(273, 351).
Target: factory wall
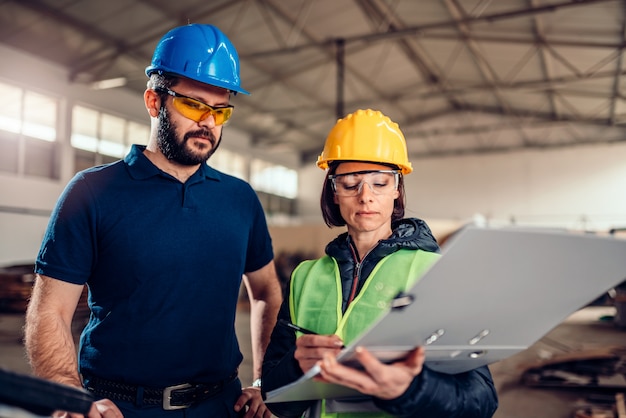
point(579, 187)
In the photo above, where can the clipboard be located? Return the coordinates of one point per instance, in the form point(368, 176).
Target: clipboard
point(492, 293)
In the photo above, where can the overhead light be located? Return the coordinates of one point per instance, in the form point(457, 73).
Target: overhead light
point(110, 83)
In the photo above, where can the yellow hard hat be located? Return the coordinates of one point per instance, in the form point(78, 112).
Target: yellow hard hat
point(366, 135)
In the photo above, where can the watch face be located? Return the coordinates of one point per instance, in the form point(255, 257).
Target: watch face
point(256, 383)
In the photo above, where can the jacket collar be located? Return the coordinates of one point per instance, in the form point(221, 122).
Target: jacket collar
point(408, 233)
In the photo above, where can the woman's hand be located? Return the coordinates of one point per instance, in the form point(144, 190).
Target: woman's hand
point(310, 349)
point(384, 381)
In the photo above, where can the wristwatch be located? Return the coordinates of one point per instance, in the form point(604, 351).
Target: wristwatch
point(256, 383)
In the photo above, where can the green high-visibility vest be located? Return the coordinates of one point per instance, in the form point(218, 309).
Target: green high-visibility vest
point(316, 297)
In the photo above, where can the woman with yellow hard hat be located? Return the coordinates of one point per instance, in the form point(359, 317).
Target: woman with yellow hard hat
point(342, 293)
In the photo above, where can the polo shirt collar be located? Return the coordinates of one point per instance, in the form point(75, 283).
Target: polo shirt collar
point(141, 168)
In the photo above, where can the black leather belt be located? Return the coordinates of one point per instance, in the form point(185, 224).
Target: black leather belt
point(170, 397)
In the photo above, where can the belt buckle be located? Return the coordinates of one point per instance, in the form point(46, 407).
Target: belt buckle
point(167, 397)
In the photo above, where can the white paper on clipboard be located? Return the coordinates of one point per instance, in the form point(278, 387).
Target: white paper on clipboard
point(493, 293)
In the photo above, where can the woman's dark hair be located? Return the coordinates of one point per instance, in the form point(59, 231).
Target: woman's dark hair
point(330, 210)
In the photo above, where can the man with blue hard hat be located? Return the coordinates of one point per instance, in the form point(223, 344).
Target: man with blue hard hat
point(163, 242)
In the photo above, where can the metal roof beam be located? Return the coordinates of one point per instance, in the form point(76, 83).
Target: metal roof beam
point(421, 29)
point(504, 149)
point(618, 70)
point(537, 84)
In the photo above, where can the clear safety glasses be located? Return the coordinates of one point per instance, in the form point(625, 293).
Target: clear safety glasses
point(196, 110)
point(381, 182)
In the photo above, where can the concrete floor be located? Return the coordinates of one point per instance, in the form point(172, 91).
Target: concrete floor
point(583, 330)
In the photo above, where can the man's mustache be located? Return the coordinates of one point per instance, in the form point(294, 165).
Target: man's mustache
point(202, 133)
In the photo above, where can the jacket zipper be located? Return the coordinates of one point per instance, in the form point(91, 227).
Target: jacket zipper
point(357, 274)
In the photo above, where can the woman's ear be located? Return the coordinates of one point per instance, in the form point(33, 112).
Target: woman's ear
point(152, 101)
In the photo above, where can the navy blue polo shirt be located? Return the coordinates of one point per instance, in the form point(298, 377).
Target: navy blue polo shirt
point(163, 261)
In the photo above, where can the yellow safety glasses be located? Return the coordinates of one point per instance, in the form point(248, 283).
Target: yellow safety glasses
point(198, 111)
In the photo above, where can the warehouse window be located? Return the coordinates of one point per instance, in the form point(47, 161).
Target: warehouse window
point(275, 179)
point(28, 132)
point(100, 138)
point(230, 162)
point(276, 186)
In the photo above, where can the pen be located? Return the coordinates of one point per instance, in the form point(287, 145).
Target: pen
point(288, 324)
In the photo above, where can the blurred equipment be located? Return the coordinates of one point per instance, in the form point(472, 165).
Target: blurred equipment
point(15, 287)
point(16, 283)
point(619, 296)
point(599, 369)
point(27, 396)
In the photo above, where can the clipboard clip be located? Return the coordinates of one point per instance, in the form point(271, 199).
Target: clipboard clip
point(434, 336)
point(402, 300)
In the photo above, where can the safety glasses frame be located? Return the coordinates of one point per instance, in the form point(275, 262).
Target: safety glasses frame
point(220, 114)
point(359, 186)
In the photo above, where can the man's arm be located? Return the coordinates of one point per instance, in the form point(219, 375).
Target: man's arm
point(265, 296)
point(48, 333)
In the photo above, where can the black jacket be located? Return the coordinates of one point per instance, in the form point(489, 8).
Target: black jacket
point(432, 394)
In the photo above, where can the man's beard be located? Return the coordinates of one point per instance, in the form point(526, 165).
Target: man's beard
point(167, 141)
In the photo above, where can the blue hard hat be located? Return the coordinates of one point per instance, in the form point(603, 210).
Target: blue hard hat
point(199, 52)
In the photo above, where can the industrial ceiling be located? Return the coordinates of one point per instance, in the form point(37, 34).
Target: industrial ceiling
point(459, 76)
